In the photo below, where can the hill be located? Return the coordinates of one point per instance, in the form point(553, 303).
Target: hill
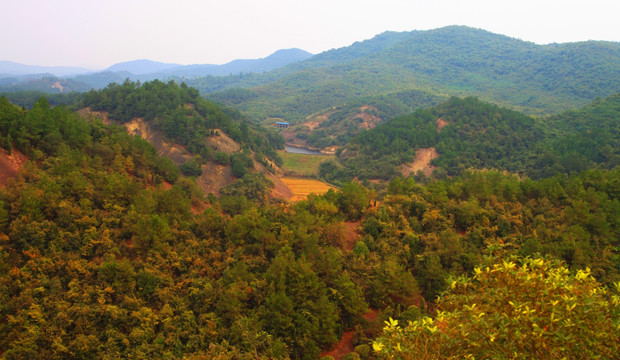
point(17, 77)
point(276, 60)
point(469, 133)
point(45, 83)
point(205, 140)
point(455, 60)
point(10, 68)
point(140, 67)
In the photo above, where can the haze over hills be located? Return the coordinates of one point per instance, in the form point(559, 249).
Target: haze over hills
point(10, 68)
point(454, 60)
point(76, 79)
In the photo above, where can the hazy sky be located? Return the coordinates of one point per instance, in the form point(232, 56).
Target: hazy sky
point(99, 33)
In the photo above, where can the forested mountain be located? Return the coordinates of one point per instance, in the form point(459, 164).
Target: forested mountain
point(455, 60)
point(469, 133)
point(274, 61)
point(97, 260)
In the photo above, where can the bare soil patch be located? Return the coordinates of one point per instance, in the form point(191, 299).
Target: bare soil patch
point(441, 123)
point(345, 345)
point(369, 121)
point(280, 189)
point(352, 234)
point(10, 164)
point(223, 142)
point(421, 162)
point(101, 115)
point(342, 347)
point(214, 177)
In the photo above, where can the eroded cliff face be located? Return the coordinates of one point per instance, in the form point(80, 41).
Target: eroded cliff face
point(173, 151)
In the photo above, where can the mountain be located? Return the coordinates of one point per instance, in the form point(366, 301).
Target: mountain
point(14, 78)
point(45, 83)
point(454, 60)
point(9, 68)
point(276, 60)
point(140, 67)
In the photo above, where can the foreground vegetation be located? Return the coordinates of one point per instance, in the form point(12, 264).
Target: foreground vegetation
point(532, 308)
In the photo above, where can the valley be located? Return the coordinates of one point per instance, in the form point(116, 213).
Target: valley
point(437, 194)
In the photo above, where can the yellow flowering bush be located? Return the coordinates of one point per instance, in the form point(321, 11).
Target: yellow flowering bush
point(521, 308)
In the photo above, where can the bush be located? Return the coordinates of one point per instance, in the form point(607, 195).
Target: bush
point(191, 168)
point(351, 356)
point(221, 158)
point(363, 351)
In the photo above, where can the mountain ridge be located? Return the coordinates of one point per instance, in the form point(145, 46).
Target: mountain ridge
point(454, 61)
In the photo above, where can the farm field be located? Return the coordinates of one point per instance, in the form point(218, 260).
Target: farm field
point(301, 188)
point(302, 164)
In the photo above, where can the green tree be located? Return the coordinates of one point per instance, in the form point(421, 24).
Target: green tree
point(515, 308)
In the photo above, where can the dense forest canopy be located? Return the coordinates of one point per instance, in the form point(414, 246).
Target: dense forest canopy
point(98, 259)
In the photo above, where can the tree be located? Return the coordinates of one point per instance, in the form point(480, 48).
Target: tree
point(518, 308)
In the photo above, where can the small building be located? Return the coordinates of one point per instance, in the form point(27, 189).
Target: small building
point(282, 124)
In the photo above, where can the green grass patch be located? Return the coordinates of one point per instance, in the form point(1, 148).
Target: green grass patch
point(302, 164)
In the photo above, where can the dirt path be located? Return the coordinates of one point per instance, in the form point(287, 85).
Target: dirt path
point(342, 347)
point(345, 345)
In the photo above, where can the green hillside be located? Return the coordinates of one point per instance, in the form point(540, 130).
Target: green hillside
point(455, 60)
point(484, 136)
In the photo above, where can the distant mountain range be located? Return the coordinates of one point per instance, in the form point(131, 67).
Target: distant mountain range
point(9, 68)
point(18, 77)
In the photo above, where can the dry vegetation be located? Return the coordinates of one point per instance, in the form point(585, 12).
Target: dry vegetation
point(304, 187)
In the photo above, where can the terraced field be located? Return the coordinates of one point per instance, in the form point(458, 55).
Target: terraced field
point(301, 188)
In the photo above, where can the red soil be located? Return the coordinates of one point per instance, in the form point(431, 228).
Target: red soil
point(10, 164)
point(345, 345)
point(351, 234)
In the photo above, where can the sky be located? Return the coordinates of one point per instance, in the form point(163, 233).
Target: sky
point(99, 33)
